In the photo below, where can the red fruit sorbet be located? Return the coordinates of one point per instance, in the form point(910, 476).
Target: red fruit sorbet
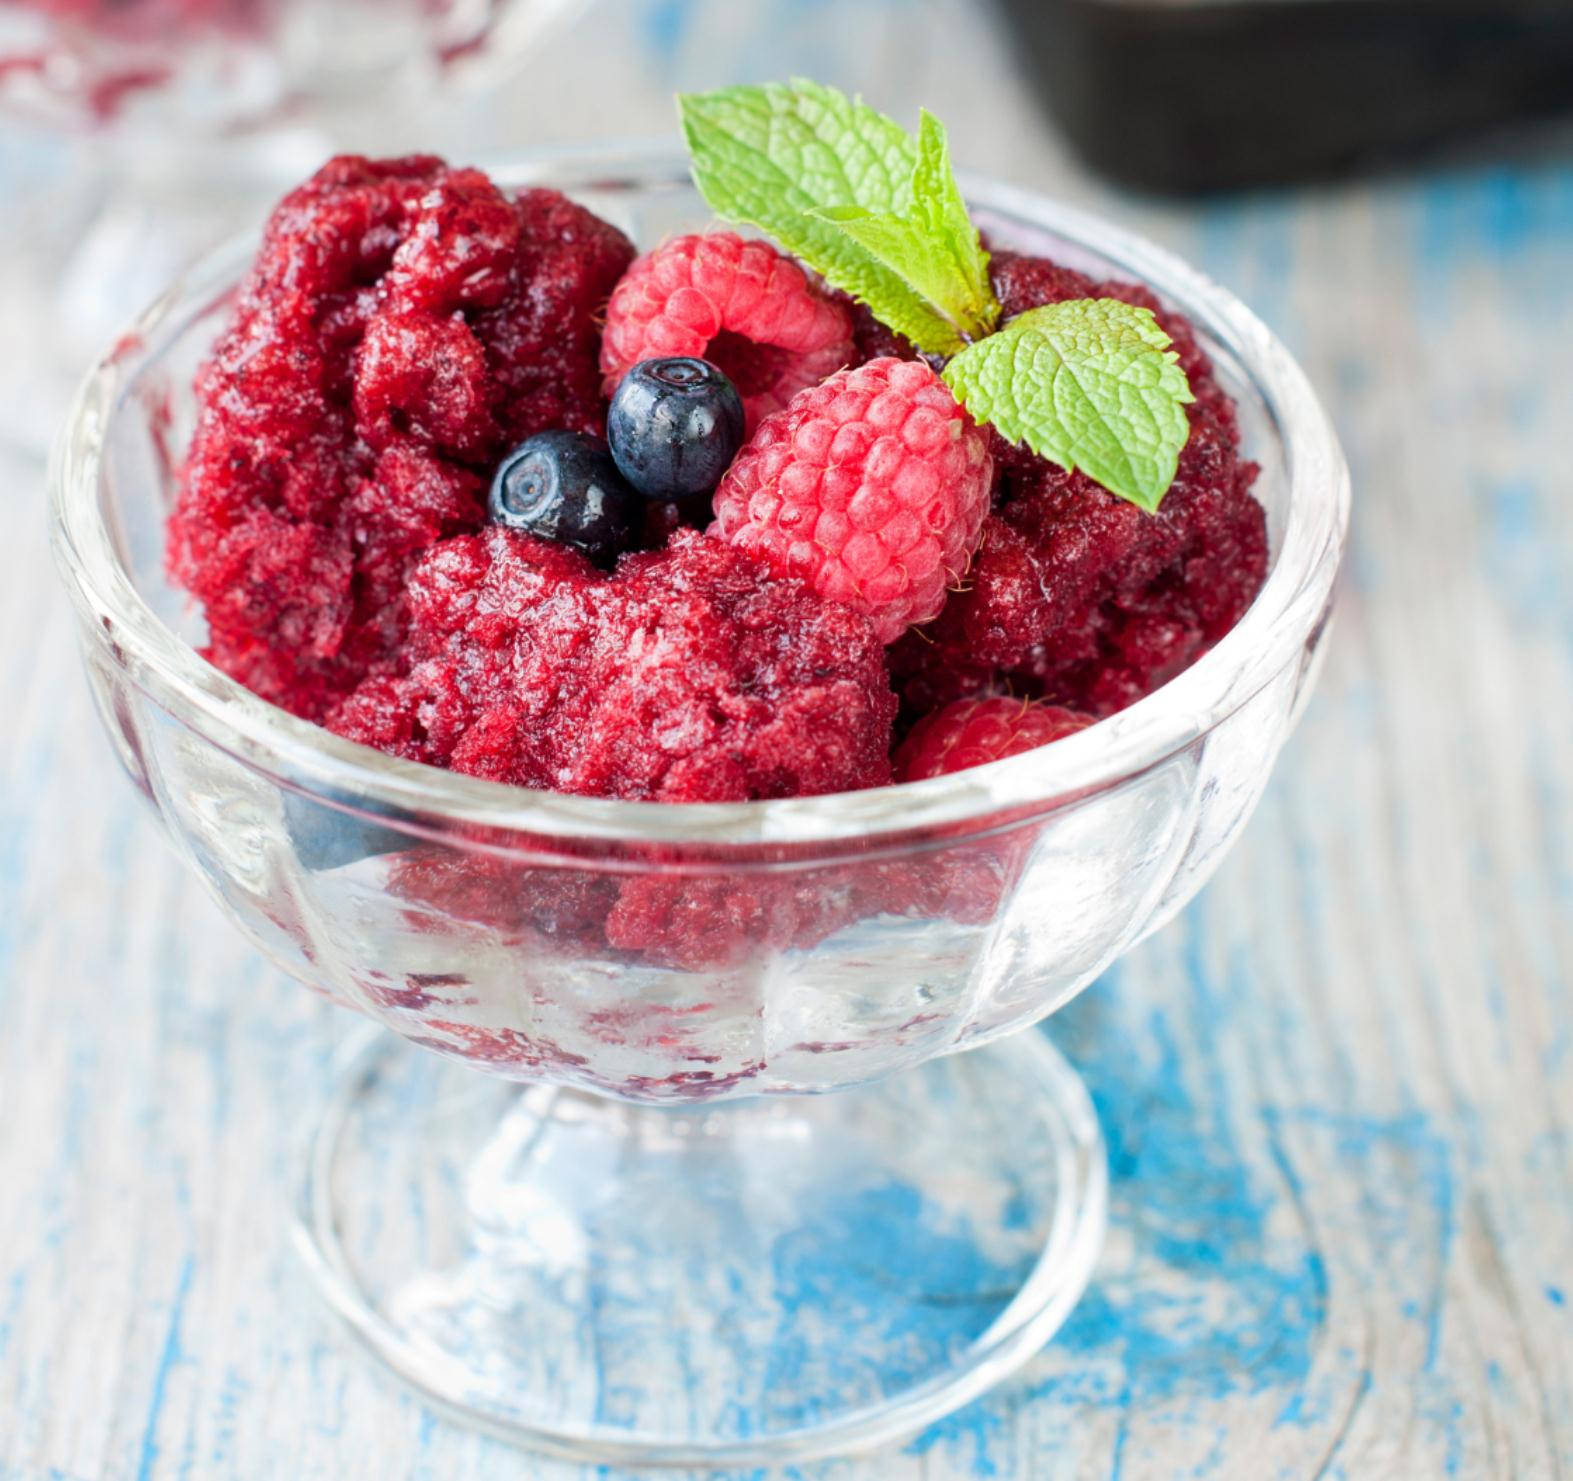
point(1079, 597)
point(404, 324)
point(120, 16)
point(690, 675)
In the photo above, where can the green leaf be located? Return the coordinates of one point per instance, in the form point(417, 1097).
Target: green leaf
point(946, 300)
point(1091, 384)
point(849, 191)
point(940, 210)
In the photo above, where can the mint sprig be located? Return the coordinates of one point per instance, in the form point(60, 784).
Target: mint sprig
point(848, 190)
point(944, 300)
point(1090, 384)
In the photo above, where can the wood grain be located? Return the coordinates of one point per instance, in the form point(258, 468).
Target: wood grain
point(1337, 1090)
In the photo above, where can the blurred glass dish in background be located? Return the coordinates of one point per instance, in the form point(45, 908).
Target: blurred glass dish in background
point(139, 132)
point(225, 62)
point(608, 1263)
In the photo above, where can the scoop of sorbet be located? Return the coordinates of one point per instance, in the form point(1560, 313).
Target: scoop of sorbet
point(403, 325)
point(692, 674)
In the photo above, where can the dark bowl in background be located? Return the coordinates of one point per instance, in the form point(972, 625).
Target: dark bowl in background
point(1180, 96)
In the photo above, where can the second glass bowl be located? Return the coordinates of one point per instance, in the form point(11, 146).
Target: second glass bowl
point(222, 63)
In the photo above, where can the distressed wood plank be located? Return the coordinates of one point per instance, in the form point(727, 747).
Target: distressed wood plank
point(1337, 1090)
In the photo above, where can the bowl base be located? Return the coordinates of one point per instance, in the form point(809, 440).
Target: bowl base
point(749, 1283)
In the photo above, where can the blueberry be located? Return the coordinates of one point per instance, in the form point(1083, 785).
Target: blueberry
point(674, 426)
point(564, 486)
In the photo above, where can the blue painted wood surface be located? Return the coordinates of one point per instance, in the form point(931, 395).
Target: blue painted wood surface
point(1336, 1091)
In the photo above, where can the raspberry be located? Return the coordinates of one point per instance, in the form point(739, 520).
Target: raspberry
point(739, 304)
point(402, 326)
point(871, 486)
point(973, 732)
point(691, 675)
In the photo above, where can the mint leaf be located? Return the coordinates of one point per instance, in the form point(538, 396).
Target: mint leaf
point(846, 189)
point(938, 206)
point(768, 156)
point(1091, 384)
point(946, 300)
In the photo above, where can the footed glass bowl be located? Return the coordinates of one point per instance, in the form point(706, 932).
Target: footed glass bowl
point(634, 1237)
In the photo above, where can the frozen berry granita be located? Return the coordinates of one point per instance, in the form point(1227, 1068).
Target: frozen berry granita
point(146, 16)
point(476, 484)
point(681, 677)
point(404, 324)
point(220, 64)
point(168, 19)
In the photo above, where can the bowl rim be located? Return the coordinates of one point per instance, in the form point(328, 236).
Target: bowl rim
point(1285, 616)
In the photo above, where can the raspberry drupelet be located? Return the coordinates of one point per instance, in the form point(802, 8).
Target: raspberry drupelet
point(690, 675)
point(404, 323)
point(740, 304)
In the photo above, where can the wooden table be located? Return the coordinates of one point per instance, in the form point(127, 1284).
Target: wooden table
point(1337, 1090)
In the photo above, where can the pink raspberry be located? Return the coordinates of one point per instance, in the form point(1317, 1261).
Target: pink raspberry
point(739, 304)
point(872, 487)
point(973, 732)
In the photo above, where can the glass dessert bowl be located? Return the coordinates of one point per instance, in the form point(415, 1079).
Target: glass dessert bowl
point(636, 1237)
